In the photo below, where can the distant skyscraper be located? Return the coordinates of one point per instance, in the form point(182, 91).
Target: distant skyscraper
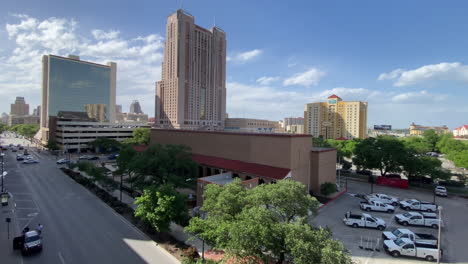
point(69, 84)
point(20, 107)
point(118, 109)
point(192, 92)
point(336, 119)
point(96, 111)
point(135, 107)
point(37, 111)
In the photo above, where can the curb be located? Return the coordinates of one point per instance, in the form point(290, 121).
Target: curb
point(334, 198)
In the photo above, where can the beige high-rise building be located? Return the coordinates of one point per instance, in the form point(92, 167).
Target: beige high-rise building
point(192, 92)
point(96, 111)
point(20, 107)
point(336, 119)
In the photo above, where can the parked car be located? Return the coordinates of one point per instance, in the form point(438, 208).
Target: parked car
point(364, 172)
point(406, 233)
point(20, 148)
point(406, 247)
point(363, 220)
point(63, 161)
point(19, 157)
point(84, 157)
point(440, 191)
point(30, 161)
point(376, 206)
point(28, 243)
point(387, 199)
point(14, 150)
point(94, 158)
point(418, 219)
point(113, 156)
point(417, 205)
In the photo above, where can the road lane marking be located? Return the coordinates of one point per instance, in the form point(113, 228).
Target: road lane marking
point(61, 257)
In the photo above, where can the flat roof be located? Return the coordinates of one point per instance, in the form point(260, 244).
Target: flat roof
point(232, 133)
point(65, 58)
point(220, 179)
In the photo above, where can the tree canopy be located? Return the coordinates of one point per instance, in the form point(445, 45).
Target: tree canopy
point(160, 206)
point(268, 222)
point(141, 136)
point(104, 144)
point(52, 145)
point(27, 131)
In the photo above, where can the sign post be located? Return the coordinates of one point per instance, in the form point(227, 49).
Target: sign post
point(8, 220)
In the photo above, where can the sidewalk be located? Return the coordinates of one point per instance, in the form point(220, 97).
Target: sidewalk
point(7, 255)
point(177, 231)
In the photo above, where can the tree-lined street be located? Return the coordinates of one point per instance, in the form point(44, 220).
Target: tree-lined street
point(78, 227)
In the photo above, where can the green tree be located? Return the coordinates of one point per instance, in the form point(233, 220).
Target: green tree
point(160, 206)
point(417, 144)
point(3, 128)
point(320, 142)
point(141, 135)
point(104, 144)
point(234, 214)
point(431, 138)
point(383, 153)
point(460, 159)
point(162, 164)
point(52, 145)
point(28, 131)
point(415, 166)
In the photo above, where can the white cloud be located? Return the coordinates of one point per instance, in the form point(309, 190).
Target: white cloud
point(454, 71)
point(351, 94)
point(421, 97)
point(245, 56)
point(267, 80)
point(101, 34)
point(138, 59)
point(308, 78)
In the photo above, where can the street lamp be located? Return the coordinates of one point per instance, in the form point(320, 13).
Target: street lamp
point(2, 155)
point(438, 238)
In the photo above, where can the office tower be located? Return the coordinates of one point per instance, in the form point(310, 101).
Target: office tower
point(96, 111)
point(37, 111)
point(20, 107)
point(118, 109)
point(135, 107)
point(69, 84)
point(192, 92)
point(336, 119)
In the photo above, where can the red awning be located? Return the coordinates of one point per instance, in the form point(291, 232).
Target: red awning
point(243, 167)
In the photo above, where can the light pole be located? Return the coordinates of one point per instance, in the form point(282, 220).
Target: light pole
point(438, 238)
point(2, 155)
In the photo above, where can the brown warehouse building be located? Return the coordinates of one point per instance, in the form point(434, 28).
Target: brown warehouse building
point(254, 158)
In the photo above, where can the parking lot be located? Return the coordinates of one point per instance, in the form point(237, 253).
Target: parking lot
point(454, 233)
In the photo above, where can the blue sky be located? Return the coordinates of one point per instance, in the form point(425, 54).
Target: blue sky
point(407, 59)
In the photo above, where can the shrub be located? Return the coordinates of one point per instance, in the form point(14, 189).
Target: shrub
point(452, 183)
point(327, 188)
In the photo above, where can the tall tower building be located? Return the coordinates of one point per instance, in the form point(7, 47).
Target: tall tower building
point(135, 107)
point(70, 84)
point(336, 119)
point(20, 107)
point(192, 92)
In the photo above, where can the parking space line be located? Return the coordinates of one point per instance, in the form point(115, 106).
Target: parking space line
point(26, 208)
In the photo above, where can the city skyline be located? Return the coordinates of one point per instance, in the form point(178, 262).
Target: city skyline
point(396, 66)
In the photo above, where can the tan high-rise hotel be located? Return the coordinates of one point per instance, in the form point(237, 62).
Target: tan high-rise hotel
point(192, 92)
point(336, 119)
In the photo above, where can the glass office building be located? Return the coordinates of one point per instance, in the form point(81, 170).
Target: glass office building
point(70, 84)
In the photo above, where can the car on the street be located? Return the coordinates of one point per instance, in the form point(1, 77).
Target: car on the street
point(28, 243)
point(63, 161)
point(84, 157)
point(413, 204)
point(113, 156)
point(94, 158)
point(406, 233)
point(19, 157)
point(384, 198)
point(418, 219)
point(406, 247)
point(30, 161)
point(14, 150)
point(363, 220)
point(376, 206)
point(20, 148)
point(440, 191)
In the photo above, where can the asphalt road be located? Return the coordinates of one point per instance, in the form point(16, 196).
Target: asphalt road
point(78, 227)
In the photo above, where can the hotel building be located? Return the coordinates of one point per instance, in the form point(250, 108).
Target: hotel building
point(336, 119)
point(192, 92)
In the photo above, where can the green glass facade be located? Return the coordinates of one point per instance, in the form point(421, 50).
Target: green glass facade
point(75, 84)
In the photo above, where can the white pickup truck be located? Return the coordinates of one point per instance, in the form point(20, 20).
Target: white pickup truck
point(418, 219)
point(376, 206)
point(414, 204)
point(363, 220)
point(406, 247)
point(386, 199)
point(398, 233)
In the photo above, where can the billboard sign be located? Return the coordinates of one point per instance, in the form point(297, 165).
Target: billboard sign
point(383, 127)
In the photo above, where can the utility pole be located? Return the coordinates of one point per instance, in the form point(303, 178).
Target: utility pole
point(438, 237)
point(2, 155)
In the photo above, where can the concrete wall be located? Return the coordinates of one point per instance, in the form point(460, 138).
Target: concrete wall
point(322, 168)
point(278, 150)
